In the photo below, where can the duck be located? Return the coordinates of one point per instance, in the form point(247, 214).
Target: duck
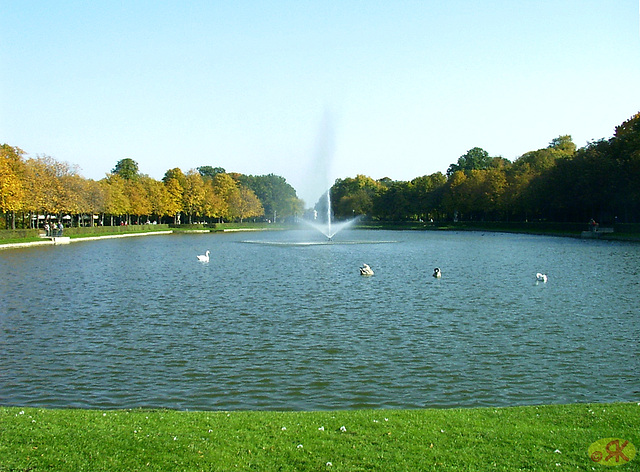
point(204, 257)
point(541, 277)
point(436, 273)
point(366, 270)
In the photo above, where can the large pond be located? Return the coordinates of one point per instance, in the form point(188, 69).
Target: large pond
point(273, 324)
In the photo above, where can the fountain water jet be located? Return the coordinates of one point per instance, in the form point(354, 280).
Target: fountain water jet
point(330, 228)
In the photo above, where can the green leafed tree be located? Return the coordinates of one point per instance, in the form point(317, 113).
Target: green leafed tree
point(275, 194)
point(209, 172)
point(474, 159)
point(127, 169)
point(353, 196)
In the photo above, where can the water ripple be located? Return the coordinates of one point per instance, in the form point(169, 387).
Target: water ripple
point(140, 323)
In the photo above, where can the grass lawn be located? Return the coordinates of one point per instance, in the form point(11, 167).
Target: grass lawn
point(533, 438)
point(19, 240)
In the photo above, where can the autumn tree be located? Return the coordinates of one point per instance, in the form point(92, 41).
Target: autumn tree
point(245, 204)
point(214, 204)
point(139, 202)
point(116, 199)
point(95, 199)
point(226, 188)
point(193, 194)
point(176, 174)
point(455, 198)
point(174, 198)
point(158, 196)
point(12, 192)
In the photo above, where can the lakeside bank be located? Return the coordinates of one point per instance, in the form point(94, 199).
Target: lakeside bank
point(12, 239)
point(34, 237)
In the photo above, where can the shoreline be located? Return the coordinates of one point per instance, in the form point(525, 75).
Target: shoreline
point(50, 241)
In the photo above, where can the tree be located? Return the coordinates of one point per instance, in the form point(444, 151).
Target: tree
point(127, 169)
point(116, 201)
point(74, 199)
point(95, 199)
point(12, 192)
point(424, 197)
point(245, 204)
point(625, 149)
point(210, 172)
point(564, 144)
point(485, 190)
point(393, 202)
point(157, 194)
point(174, 173)
point(174, 198)
point(226, 188)
point(43, 177)
point(274, 193)
point(475, 159)
point(213, 205)
point(353, 196)
point(455, 198)
point(193, 194)
point(139, 203)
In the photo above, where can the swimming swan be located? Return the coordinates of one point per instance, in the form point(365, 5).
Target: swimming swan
point(436, 273)
point(205, 257)
point(366, 270)
point(541, 277)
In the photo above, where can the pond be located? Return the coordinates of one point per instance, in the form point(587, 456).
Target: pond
point(284, 321)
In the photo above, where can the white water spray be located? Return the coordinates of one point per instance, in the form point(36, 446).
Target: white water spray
point(322, 172)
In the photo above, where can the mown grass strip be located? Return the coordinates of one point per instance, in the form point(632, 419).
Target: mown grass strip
point(533, 438)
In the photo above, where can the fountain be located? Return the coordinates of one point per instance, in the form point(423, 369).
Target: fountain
point(322, 175)
point(319, 176)
point(330, 228)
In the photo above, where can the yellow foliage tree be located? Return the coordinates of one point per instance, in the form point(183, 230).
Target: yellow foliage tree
point(174, 199)
point(227, 188)
point(11, 181)
point(245, 204)
point(193, 194)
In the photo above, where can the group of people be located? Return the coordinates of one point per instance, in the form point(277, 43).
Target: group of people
point(54, 229)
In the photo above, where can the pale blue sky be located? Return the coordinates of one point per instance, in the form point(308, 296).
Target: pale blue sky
point(393, 89)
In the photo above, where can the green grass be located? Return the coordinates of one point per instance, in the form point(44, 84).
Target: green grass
point(20, 240)
point(534, 438)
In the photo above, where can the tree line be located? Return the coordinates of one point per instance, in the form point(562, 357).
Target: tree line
point(558, 183)
point(36, 190)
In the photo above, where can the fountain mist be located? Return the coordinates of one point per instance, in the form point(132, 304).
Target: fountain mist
point(322, 171)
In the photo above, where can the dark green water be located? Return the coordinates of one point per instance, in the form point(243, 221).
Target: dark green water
point(273, 324)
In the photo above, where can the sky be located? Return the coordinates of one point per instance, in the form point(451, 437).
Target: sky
point(312, 90)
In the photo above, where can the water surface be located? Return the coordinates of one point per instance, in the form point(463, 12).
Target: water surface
point(274, 324)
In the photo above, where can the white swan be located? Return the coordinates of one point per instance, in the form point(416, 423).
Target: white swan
point(541, 277)
point(436, 273)
point(205, 257)
point(366, 270)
